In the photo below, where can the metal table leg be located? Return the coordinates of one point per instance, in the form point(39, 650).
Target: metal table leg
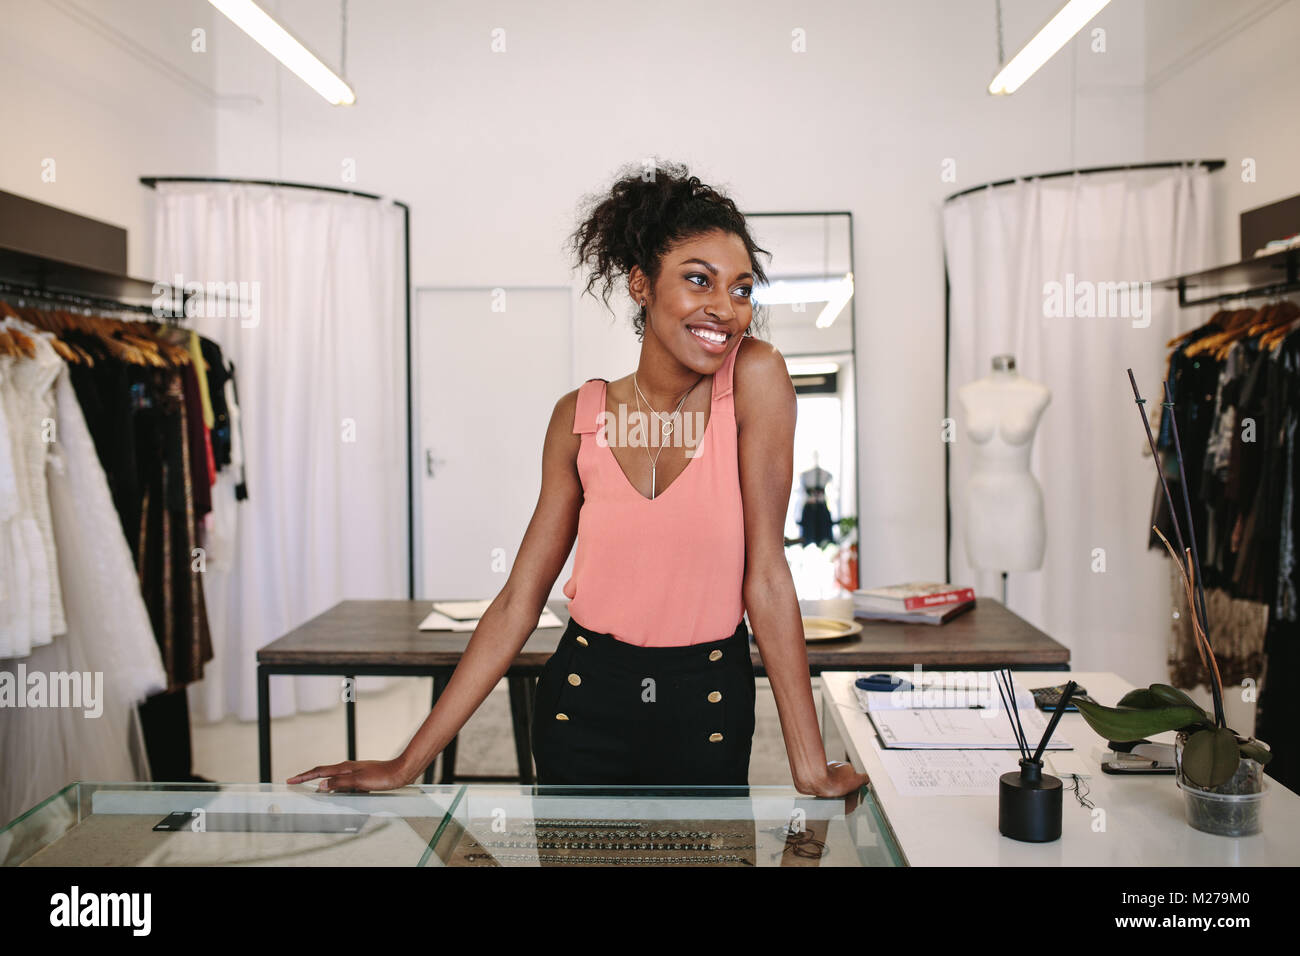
point(263, 724)
point(351, 705)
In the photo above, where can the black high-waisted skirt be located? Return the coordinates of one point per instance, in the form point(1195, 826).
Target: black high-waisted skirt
point(609, 712)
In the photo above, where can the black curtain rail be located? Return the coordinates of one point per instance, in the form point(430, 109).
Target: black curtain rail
point(153, 181)
point(1209, 164)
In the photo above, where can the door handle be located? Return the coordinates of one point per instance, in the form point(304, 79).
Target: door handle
point(430, 462)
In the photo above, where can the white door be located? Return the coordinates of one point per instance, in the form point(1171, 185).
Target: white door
point(490, 365)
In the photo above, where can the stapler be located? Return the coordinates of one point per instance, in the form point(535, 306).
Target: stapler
point(1138, 756)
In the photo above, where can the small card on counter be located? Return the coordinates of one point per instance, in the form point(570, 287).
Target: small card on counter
point(437, 620)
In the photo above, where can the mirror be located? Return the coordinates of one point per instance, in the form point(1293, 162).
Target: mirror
point(809, 305)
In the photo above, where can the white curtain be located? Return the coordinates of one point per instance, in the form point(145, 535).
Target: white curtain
point(320, 366)
point(1004, 246)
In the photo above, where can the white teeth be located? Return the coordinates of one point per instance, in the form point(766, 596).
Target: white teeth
point(710, 336)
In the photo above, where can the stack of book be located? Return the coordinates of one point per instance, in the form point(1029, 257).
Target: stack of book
point(916, 603)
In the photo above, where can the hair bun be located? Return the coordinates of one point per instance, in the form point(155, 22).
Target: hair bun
point(644, 213)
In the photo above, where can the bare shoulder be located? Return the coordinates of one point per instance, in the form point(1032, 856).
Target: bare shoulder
point(567, 403)
point(761, 380)
point(560, 436)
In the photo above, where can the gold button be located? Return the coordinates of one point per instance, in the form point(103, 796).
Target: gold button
point(575, 680)
point(561, 716)
point(715, 697)
point(715, 655)
point(582, 640)
point(714, 738)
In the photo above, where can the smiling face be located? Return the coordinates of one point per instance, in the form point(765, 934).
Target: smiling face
point(700, 304)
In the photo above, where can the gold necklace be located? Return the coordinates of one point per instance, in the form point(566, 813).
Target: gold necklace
point(667, 426)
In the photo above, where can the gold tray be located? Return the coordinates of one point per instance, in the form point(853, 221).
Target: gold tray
point(829, 628)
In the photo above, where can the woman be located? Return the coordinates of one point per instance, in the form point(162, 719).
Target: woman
point(679, 528)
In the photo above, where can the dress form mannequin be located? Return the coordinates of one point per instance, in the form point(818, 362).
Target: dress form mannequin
point(1005, 525)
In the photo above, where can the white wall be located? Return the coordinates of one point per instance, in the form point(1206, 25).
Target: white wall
point(494, 150)
point(1223, 81)
point(110, 90)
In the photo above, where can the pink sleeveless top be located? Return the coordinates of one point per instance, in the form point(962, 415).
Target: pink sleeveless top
point(665, 571)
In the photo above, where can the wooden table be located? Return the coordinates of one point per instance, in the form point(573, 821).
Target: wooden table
point(382, 638)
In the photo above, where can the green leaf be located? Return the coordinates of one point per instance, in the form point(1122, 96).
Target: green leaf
point(1255, 751)
point(1123, 724)
point(1172, 696)
point(1211, 757)
point(1142, 699)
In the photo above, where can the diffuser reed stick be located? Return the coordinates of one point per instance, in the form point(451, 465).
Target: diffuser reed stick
point(1013, 713)
point(1070, 688)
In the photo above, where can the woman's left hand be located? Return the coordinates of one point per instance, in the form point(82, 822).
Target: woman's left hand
point(839, 780)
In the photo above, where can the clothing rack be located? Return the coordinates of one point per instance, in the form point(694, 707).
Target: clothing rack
point(1275, 274)
point(35, 278)
point(26, 295)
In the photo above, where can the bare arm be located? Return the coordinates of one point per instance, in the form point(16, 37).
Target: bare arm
point(504, 628)
point(766, 409)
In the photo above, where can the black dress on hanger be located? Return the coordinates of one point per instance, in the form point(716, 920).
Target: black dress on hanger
point(815, 521)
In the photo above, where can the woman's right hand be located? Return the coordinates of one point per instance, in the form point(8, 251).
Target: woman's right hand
point(357, 776)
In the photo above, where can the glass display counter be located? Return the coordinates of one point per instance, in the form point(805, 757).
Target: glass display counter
point(162, 824)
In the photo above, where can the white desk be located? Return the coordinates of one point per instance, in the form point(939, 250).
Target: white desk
point(1143, 814)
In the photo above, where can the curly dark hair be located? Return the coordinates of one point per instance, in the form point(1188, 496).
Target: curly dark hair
point(642, 216)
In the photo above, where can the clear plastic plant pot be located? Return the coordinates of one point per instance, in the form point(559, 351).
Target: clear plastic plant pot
point(1231, 809)
point(1227, 814)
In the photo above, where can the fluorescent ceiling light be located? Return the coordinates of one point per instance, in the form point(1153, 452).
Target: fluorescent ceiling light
point(793, 291)
point(837, 302)
point(286, 48)
point(1068, 21)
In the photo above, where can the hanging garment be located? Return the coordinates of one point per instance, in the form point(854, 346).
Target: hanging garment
point(15, 564)
point(167, 538)
point(103, 596)
point(25, 392)
point(37, 378)
point(1237, 631)
point(815, 522)
point(108, 633)
point(1237, 406)
point(1278, 717)
point(217, 376)
point(236, 435)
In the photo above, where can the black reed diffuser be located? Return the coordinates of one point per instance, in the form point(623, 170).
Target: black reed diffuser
point(1030, 801)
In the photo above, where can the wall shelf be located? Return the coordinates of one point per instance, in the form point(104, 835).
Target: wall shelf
point(22, 273)
point(1277, 273)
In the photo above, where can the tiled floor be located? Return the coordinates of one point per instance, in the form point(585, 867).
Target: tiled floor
point(227, 751)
